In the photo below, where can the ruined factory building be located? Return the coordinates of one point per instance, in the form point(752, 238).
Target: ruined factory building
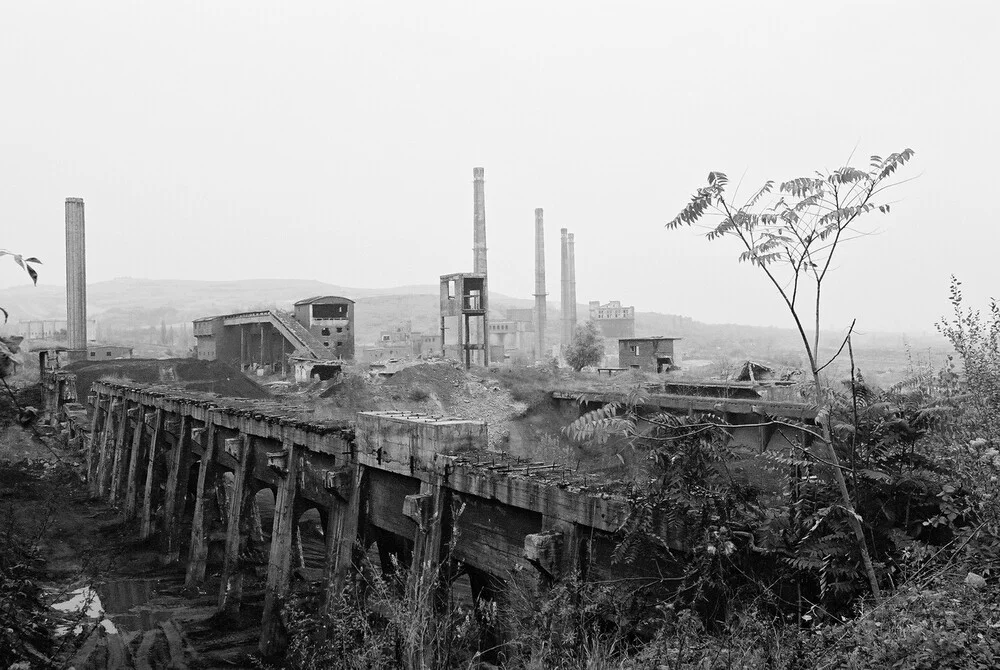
point(613, 319)
point(464, 320)
point(649, 354)
point(319, 335)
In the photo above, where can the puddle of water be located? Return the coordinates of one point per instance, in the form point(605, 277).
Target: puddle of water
point(124, 601)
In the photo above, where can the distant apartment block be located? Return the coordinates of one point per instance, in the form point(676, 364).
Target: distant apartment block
point(613, 320)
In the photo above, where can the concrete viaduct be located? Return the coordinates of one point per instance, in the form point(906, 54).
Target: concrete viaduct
point(391, 479)
point(394, 479)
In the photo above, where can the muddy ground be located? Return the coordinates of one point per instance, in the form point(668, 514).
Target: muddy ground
point(71, 548)
point(58, 547)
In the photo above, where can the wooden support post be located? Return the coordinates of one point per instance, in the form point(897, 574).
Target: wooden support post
point(428, 509)
point(243, 347)
point(341, 534)
point(273, 637)
point(92, 445)
point(116, 463)
point(231, 588)
point(146, 527)
point(132, 476)
point(97, 485)
point(562, 547)
point(177, 477)
point(198, 554)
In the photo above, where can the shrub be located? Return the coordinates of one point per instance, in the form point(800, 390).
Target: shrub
point(587, 347)
point(419, 394)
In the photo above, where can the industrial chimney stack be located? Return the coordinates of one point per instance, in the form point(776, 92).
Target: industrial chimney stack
point(76, 275)
point(479, 222)
point(540, 284)
point(479, 332)
point(564, 285)
point(572, 287)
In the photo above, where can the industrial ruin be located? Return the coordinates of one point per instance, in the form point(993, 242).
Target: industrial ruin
point(185, 466)
point(318, 339)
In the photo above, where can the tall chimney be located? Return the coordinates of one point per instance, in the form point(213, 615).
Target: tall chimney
point(76, 275)
point(480, 333)
point(572, 288)
point(539, 284)
point(479, 222)
point(564, 298)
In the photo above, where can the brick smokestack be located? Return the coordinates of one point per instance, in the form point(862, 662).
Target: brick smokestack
point(539, 284)
point(572, 287)
point(76, 275)
point(478, 221)
point(564, 297)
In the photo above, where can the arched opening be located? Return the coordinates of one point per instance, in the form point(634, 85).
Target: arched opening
point(309, 543)
point(264, 499)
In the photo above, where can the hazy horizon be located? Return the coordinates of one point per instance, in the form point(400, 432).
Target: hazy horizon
point(336, 142)
point(430, 289)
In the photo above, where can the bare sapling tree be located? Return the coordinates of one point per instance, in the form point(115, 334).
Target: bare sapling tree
point(792, 236)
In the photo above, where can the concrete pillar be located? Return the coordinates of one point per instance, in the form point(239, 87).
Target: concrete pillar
point(572, 285)
point(76, 275)
point(539, 285)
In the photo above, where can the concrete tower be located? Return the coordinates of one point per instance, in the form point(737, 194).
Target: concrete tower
point(478, 221)
point(539, 285)
point(572, 287)
point(564, 283)
point(76, 275)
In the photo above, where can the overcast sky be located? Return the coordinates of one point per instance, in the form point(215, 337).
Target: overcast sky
point(335, 141)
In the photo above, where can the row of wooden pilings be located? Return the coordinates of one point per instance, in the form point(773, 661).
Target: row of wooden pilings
point(164, 457)
point(129, 444)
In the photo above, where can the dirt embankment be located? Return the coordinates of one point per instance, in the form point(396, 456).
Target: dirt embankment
point(187, 373)
point(516, 403)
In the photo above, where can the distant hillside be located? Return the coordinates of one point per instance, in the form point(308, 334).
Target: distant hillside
point(128, 305)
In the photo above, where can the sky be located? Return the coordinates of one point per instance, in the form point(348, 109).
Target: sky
point(336, 141)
